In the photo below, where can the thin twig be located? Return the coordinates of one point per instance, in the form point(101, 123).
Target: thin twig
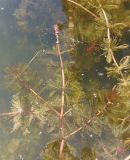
point(88, 122)
point(43, 100)
point(67, 111)
point(61, 156)
point(74, 132)
point(9, 114)
point(106, 151)
point(85, 9)
point(19, 112)
point(29, 63)
point(68, 50)
point(34, 93)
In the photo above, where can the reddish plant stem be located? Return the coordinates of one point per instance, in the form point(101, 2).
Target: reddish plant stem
point(106, 151)
point(61, 156)
point(88, 122)
point(35, 93)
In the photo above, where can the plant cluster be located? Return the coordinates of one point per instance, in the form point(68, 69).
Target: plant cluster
point(58, 104)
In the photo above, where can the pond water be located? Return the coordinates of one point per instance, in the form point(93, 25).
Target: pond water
point(18, 46)
point(27, 27)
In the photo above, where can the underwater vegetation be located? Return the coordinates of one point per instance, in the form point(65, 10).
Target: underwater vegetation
point(57, 112)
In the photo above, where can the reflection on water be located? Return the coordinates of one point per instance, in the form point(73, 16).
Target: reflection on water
point(26, 26)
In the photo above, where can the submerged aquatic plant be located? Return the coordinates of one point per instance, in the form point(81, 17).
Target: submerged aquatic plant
point(57, 103)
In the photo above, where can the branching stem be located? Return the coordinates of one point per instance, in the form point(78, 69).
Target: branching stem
point(109, 39)
point(106, 151)
point(23, 84)
point(61, 156)
point(85, 9)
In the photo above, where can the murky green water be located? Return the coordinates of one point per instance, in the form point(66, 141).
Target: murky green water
point(27, 26)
